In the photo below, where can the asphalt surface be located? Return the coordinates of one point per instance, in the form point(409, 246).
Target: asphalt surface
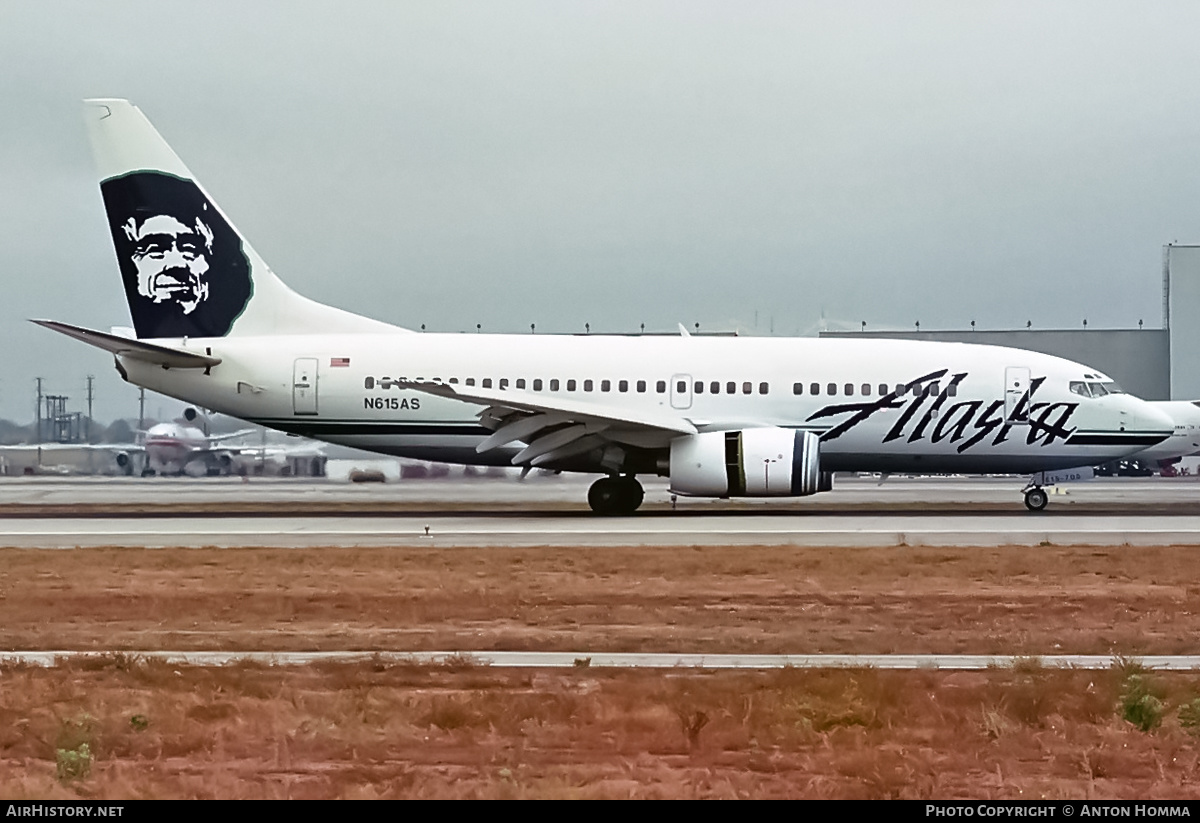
point(54, 513)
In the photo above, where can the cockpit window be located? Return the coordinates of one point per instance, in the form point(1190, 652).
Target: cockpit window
point(1095, 388)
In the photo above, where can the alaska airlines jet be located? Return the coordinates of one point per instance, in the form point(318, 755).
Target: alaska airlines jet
point(721, 417)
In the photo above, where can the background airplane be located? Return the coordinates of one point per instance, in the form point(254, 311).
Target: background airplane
point(1184, 440)
point(181, 447)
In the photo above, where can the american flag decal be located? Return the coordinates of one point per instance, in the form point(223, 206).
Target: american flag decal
point(339, 362)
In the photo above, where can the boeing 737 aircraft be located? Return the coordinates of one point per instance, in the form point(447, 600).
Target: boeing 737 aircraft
point(721, 417)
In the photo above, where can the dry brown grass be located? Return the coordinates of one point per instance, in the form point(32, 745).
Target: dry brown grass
point(117, 726)
point(370, 730)
point(1011, 600)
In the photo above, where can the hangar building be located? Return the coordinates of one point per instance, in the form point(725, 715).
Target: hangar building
point(1152, 363)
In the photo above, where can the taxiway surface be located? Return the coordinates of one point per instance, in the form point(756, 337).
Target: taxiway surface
point(56, 513)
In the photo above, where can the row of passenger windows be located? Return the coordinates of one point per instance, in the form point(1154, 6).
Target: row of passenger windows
point(866, 389)
point(640, 386)
point(699, 387)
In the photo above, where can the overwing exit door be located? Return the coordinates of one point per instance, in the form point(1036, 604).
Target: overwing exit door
point(681, 391)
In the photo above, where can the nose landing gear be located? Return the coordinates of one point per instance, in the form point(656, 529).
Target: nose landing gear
point(616, 495)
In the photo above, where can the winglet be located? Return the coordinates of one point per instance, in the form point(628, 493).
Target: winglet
point(155, 353)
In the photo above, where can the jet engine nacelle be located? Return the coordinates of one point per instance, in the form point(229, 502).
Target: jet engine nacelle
point(765, 462)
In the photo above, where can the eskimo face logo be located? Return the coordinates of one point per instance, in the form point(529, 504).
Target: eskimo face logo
point(184, 268)
point(171, 260)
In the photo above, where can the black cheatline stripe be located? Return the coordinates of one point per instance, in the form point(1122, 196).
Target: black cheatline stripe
point(343, 427)
point(1115, 439)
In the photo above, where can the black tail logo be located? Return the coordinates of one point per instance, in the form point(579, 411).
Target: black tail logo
point(184, 269)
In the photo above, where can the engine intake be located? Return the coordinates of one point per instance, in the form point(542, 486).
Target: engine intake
point(765, 462)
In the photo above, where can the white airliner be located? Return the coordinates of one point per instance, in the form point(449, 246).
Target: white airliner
point(175, 447)
point(1184, 440)
point(721, 417)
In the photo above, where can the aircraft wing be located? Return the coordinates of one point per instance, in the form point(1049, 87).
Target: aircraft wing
point(217, 438)
point(555, 428)
point(112, 448)
point(22, 453)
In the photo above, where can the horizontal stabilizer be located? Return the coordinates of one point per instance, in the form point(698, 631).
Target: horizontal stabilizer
point(134, 349)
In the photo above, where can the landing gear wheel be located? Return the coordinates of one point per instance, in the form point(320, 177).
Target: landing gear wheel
point(633, 494)
point(1036, 499)
point(615, 495)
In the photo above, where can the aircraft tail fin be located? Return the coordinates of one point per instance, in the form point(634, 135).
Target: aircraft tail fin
point(187, 270)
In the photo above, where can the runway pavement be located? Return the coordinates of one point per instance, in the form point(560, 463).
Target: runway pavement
point(551, 511)
point(541, 490)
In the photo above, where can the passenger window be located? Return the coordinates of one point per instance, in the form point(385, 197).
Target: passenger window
point(934, 388)
point(797, 388)
point(763, 388)
point(504, 382)
point(681, 387)
point(699, 387)
point(849, 389)
point(952, 390)
point(731, 387)
point(747, 387)
point(623, 385)
point(641, 386)
point(487, 382)
point(571, 385)
point(883, 389)
point(537, 384)
point(453, 379)
point(661, 386)
point(866, 389)
point(814, 389)
point(520, 382)
point(369, 383)
point(587, 385)
point(554, 384)
point(899, 389)
point(605, 385)
point(470, 381)
point(714, 387)
point(832, 388)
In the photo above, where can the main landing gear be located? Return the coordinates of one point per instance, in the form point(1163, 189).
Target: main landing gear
point(616, 495)
point(1036, 498)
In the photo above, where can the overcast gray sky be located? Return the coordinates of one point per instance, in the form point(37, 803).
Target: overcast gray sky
point(614, 163)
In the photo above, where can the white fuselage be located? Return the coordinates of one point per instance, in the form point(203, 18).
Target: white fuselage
point(347, 389)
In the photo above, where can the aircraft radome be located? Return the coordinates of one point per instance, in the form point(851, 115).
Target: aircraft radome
point(719, 416)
